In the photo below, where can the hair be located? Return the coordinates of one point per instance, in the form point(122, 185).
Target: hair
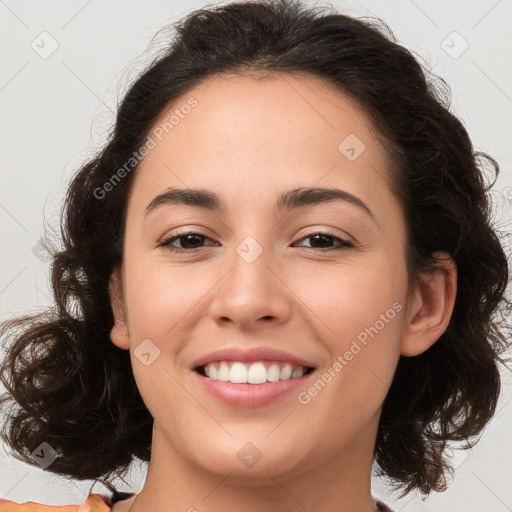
point(75, 389)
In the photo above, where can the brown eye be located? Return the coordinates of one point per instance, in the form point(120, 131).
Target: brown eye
point(323, 241)
point(188, 241)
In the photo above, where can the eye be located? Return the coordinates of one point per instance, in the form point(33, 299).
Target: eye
point(323, 239)
point(191, 241)
point(187, 240)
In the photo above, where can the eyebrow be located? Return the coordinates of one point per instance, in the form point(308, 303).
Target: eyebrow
point(296, 198)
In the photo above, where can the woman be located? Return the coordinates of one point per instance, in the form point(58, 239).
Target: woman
point(278, 272)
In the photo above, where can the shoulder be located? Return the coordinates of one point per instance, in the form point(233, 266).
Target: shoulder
point(93, 503)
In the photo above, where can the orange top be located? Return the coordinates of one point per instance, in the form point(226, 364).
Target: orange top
point(94, 503)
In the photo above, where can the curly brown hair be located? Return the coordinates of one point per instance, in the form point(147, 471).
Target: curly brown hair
point(75, 389)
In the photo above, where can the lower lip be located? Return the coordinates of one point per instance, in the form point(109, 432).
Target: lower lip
point(251, 395)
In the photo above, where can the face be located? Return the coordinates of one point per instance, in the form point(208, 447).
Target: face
point(314, 281)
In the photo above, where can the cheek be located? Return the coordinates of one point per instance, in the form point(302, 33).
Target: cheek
point(345, 300)
point(159, 295)
point(161, 303)
point(160, 300)
point(359, 311)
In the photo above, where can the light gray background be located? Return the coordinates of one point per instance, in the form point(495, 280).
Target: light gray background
point(56, 110)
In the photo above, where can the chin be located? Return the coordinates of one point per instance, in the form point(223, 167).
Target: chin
point(251, 462)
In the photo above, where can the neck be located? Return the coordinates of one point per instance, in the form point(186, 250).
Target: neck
point(338, 483)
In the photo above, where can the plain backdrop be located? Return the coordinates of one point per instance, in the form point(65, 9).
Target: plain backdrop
point(65, 66)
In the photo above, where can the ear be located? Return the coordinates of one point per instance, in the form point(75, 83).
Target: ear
point(430, 309)
point(119, 331)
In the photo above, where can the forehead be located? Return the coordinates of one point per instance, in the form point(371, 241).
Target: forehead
point(249, 136)
point(235, 113)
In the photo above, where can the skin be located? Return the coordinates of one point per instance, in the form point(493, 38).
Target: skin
point(248, 140)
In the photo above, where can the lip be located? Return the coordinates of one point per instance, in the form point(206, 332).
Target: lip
point(251, 395)
point(251, 354)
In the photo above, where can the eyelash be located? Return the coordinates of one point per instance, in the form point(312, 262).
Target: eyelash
point(166, 243)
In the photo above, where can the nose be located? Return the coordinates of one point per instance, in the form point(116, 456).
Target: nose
point(252, 294)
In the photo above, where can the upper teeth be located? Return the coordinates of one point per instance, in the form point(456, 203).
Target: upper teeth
point(252, 373)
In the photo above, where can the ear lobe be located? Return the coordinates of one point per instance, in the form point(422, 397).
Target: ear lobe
point(431, 308)
point(119, 331)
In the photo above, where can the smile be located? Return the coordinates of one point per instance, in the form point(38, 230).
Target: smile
point(252, 384)
point(257, 372)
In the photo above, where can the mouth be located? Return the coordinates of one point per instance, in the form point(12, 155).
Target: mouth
point(255, 372)
point(251, 376)
point(249, 384)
